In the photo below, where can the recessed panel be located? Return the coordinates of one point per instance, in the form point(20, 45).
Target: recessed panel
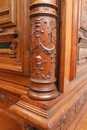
point(82, 38)
point(8, 13)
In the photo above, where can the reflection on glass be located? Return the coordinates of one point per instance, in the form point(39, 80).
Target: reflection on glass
point(5, 45)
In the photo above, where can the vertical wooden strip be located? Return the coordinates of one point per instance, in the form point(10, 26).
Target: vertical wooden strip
point(74, 42)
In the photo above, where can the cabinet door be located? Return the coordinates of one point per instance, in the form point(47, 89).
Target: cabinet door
point(82, 38)
point(79, 38)
point(14, 36)
point(8, 13)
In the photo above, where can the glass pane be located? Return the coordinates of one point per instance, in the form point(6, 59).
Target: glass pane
point(5, 45)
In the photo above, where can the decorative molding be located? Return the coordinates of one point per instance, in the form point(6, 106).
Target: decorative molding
point(8, 9)
point(12, 38)
point(14, 48)
point(28, 127)
point(5, 99)
point(81, 48)
point(84, 15)
point(82, 41)
point(67, 119)
point(43, 51)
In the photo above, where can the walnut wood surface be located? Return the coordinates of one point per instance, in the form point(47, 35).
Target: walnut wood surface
point(43, 78)
point(43, 17)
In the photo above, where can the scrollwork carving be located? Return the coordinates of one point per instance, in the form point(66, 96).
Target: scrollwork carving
point(41, 29)
point(43, 50)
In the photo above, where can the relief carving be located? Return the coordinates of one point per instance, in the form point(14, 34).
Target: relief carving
point(38, 65)
point(14, 48)
point(41, 29)
point(9, 44)
point(43, 50)
point(6, 100)
point(28, 127)
point(67, 119)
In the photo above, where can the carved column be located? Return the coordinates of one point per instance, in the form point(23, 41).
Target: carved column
point(43, 49)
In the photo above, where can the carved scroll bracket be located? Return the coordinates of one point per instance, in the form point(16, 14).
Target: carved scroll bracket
point(43, 50)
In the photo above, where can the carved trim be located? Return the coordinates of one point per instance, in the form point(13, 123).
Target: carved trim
point(67, 119)
point(5, 99)
point(28, 127)
point(82, 38)
point(13, 37)
point(43, 51)
point(8, 10)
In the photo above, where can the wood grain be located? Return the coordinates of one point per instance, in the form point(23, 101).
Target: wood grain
point(43, 78)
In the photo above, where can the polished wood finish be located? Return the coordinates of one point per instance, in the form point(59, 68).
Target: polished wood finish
point(14, 65)
point(43, 50)
point(74, 40)
point(8, 13)
point(43, 59)
point(83, 122)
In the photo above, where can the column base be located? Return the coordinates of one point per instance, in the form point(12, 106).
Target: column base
point(43, 96)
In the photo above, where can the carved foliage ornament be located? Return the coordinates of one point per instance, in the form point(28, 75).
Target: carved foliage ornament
point(43, 50)
point(66, 120)
point(43, 40)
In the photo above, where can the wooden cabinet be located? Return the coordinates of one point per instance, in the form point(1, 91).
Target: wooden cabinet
point(43, 64)
point(14, 57)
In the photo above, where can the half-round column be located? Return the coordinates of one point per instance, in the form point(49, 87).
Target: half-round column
point(43, 49)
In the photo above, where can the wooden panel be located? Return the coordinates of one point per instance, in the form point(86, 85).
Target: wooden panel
point(3, 126)
point(15, 60)
point(9, 121)
point(7, 13)
point(8, 43)
point(79, 39)
point(74, 40)
point(7, 100)
point(82, 38)
point(8, 55)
